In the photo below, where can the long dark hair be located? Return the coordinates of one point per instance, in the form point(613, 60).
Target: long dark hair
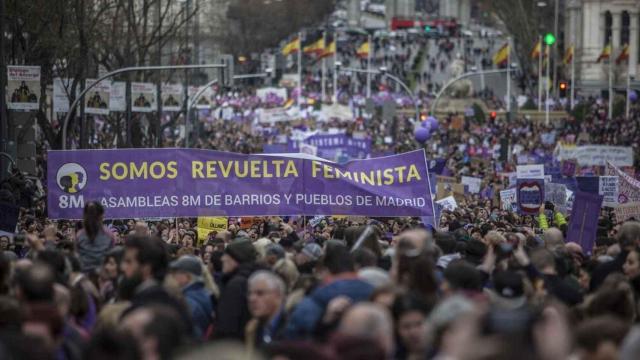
point(92, 219)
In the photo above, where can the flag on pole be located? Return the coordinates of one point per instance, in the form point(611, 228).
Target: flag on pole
point(288, 104)
point(605, 54)
point(330, 49)
point(315, 46)
point(535, 53)
point(568, 56)
point(292, 47)
point(363, 50)
point(500, 58)
point(624, 54)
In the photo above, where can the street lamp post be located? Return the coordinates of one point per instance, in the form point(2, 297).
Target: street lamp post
point(383, 71)
point(201, 91)
point(76, 101)
point(460, 77)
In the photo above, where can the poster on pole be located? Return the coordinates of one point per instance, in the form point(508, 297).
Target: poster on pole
point(205, 99)
point(96, 101)
point(143, 97)
point(172, 97)
point(118, 96)
point(23, 87)
point(61, 92)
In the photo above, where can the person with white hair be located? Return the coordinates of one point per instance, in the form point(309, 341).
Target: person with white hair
point(369, 321)
point(266, 297)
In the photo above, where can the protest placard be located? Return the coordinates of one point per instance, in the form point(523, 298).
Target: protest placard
point(530, 171)
point(448, 203)
point(530, 195)
point(444, 189)
point(628, 187)
point(627, 211)
point(508, 200)
point(135, 183)
point(608, 188)
point(568, 167)
point(473, 183)
point(207, 224)
point(583, 224)
point(556, 194)
point(23, 87)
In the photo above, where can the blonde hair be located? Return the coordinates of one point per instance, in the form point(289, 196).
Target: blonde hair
point(288, 271)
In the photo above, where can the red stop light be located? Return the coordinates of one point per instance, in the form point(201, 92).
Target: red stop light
point(493, 115)
point(563, 85)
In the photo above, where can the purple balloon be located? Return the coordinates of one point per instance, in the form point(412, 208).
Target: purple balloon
point(433, 122)
point(633, 95)
point(421, 134)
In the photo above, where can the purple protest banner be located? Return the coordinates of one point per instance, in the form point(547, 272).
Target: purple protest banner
point(583, 225)
point(328, 144)
point(136, 183)
point(530, 195)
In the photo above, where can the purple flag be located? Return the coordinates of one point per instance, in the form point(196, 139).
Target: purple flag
point(136, 183)
point(584, 220)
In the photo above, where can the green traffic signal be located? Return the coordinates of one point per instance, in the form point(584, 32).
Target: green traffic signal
point(427, 28)
point(549, 39)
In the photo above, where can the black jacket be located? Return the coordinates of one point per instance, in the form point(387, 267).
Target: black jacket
point(233, 310)
point(603, 270)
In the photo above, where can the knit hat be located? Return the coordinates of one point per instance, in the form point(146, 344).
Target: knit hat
point(241, 250)
point(187, 263)
point(313, 251)
point(276, 250)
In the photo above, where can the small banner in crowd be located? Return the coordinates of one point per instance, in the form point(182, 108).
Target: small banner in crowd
point(143, 97)
point(207, 224)
point(23, 87)
point(172, 97)
point(583, 224)
point(627, 211)
point(595, 155)
point(508, 200)
point(137, 183)
point(328, 145)
point(474, 184)
point(556, 194)
point(628, 187)
point(530, 195)
point(96, 100)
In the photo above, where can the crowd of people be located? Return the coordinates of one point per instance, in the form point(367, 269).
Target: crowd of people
point(481, 282)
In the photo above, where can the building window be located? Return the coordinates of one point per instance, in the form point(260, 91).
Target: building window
point(624, 31)
point(608, 23)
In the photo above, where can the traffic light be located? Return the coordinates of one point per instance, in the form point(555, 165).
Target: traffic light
point(563, 86)
point(427, 28)
point(493, 115)
point(549, 39)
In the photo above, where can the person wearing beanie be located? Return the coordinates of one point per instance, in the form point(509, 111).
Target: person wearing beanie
point(238, 263)
point(187, 273)
point(307, 258)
